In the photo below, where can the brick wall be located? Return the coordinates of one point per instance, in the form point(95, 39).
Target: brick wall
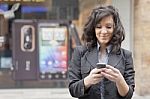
point(142, 45)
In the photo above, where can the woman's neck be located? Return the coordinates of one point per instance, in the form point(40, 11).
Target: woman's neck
point(103, 48)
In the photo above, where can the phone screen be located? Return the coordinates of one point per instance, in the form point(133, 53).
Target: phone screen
point(53, 55)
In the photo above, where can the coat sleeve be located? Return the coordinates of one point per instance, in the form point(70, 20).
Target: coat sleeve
point(129, 74)
point(76, 83)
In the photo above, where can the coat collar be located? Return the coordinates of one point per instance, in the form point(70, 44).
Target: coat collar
point(108, 49)
point(92, 58)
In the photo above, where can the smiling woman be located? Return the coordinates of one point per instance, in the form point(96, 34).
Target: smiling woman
point(104, 30)
point(103, 35)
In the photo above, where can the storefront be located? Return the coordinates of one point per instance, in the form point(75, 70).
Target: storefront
point(36, 41)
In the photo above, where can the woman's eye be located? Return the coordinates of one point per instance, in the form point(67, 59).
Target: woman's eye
point(109, 27)
point(98, 26)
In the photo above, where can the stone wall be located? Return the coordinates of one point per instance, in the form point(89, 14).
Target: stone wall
point(142, 45)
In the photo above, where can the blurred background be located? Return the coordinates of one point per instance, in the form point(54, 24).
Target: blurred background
point(37, 38)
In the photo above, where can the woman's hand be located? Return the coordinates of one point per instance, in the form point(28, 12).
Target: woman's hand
point(114, 75)
point(93, 78)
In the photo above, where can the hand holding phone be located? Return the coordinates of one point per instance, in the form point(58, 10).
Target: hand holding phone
point(100, 65)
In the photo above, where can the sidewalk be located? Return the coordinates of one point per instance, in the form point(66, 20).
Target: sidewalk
point(60, 93)
point(135, 96)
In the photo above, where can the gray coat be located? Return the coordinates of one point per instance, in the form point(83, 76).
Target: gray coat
point(83, 61)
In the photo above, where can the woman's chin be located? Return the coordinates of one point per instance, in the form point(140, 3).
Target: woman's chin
point(103, 42)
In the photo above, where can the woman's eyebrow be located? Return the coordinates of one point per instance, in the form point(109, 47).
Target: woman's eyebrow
point(110, 24)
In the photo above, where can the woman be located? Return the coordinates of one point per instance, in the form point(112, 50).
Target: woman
point(103, 35)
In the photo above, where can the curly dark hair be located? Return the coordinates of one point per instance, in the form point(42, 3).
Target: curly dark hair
point(97, 14)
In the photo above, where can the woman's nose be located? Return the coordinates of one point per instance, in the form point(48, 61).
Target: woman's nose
point(103, 30)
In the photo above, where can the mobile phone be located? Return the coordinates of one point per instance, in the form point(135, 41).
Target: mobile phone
point(100, 65)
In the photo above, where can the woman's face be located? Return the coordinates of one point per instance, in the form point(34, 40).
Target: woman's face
point(104, 30)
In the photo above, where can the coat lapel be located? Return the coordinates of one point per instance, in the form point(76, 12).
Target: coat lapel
point(114, 59)
point(92, 57)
